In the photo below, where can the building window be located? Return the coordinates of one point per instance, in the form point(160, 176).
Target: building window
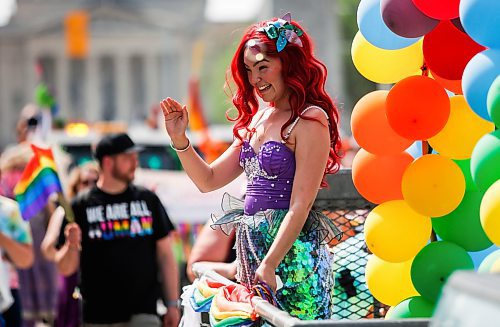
point(47, 71)
point(77, 88)
point(138, 88)
point(107, 88)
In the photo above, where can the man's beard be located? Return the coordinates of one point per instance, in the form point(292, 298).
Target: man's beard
point(123, 177)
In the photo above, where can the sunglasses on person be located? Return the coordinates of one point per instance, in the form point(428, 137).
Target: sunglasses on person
point(87, 182)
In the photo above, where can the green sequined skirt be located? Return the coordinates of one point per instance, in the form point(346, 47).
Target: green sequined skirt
point(306, 270)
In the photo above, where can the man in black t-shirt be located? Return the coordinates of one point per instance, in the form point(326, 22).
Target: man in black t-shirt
point(120, 242)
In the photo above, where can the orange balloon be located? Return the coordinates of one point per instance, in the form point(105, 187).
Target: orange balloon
point(378, 178)
point(417, 107)
point(371, 129)
point(454, 86)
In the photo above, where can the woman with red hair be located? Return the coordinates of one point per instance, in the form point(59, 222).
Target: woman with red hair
point(285, 149)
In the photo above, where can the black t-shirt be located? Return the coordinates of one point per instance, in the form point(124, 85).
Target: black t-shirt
point(118, 265)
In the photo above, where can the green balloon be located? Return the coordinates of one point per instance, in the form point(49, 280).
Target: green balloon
point(493, 101)
point(465, 168)
point(434, 264)
point(487, 262)
point(485, 161)
point(413, 307)
point(462, 226)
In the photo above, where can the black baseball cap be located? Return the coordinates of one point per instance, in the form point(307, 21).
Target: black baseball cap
point(115, 144)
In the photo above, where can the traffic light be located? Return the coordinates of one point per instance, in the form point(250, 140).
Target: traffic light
point(77, 38)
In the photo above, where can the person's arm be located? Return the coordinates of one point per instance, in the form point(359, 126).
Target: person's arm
point(212, 247)
point(68, 257)
point(20, 254)
point(49, 242)
point(312, 147)
point(206, 177)
point(170, 278)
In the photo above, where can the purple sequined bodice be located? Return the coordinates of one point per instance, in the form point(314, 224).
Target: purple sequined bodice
point(270, 174)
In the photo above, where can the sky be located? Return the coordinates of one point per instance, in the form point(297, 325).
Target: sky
point(215, 11)
point(232, 10)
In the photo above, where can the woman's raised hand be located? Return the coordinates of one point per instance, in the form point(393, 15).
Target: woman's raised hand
point(176, 118)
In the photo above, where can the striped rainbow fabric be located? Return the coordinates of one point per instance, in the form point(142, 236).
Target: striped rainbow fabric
point(38, 181)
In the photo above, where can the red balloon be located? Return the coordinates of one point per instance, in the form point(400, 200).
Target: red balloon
point(371, 129)
point(447, 51)
point(378, 178)
point(440, 9)
point(453, 86)
point(405, 19)
point(417, 107)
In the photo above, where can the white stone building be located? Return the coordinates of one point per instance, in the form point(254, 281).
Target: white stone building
point(139, 52)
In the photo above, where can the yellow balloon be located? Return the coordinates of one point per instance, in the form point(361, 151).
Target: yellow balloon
point(433, 185)
point(389, 282)
point(394, 232)
point(490, 212)
point(386, 66)
point(462, 131)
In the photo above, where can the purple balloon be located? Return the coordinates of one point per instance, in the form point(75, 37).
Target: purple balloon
point(405, 19)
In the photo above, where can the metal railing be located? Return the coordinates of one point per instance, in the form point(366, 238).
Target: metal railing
point(279, 318)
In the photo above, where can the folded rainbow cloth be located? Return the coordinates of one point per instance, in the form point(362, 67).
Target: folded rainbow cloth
point(203, 293)
point(232, 306)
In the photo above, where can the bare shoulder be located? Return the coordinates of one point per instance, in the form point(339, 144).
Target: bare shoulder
point(316, 113)
point(318, 117)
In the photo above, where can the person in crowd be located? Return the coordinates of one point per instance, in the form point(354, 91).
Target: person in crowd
point(285, 149)
point(37, 285)
point(15, 249)
point(213, 249)
point(81, 178)
point(28, 122)
point(120, 241)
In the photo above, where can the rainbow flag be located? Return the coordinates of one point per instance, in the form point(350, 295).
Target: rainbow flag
point(38, 181)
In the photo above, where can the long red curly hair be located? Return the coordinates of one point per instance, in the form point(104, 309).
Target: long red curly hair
point(303, 73)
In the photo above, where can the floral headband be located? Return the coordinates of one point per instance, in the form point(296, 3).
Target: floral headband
point(283, 31)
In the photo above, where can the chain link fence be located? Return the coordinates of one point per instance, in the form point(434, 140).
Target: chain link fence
point(348, 209)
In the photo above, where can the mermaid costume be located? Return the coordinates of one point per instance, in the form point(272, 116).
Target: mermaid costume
point(306, 270)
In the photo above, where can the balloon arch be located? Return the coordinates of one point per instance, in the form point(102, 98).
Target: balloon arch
point(430, 152)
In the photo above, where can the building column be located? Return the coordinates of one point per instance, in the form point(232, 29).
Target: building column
point(123, 90)
point(171, 73)
point(62, 82)
point(31, 76)
point(6, 113)
point(14, 91)
point(152, 81)
point(92, 96)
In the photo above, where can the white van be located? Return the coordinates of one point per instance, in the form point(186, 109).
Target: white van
point(160, 169)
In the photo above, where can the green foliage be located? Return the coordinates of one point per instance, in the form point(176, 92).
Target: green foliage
point(217, 100)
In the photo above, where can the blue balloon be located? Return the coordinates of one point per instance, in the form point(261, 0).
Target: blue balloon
point(373, 28)
point(480, 20)
point(478, 76)
point(478, 257)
